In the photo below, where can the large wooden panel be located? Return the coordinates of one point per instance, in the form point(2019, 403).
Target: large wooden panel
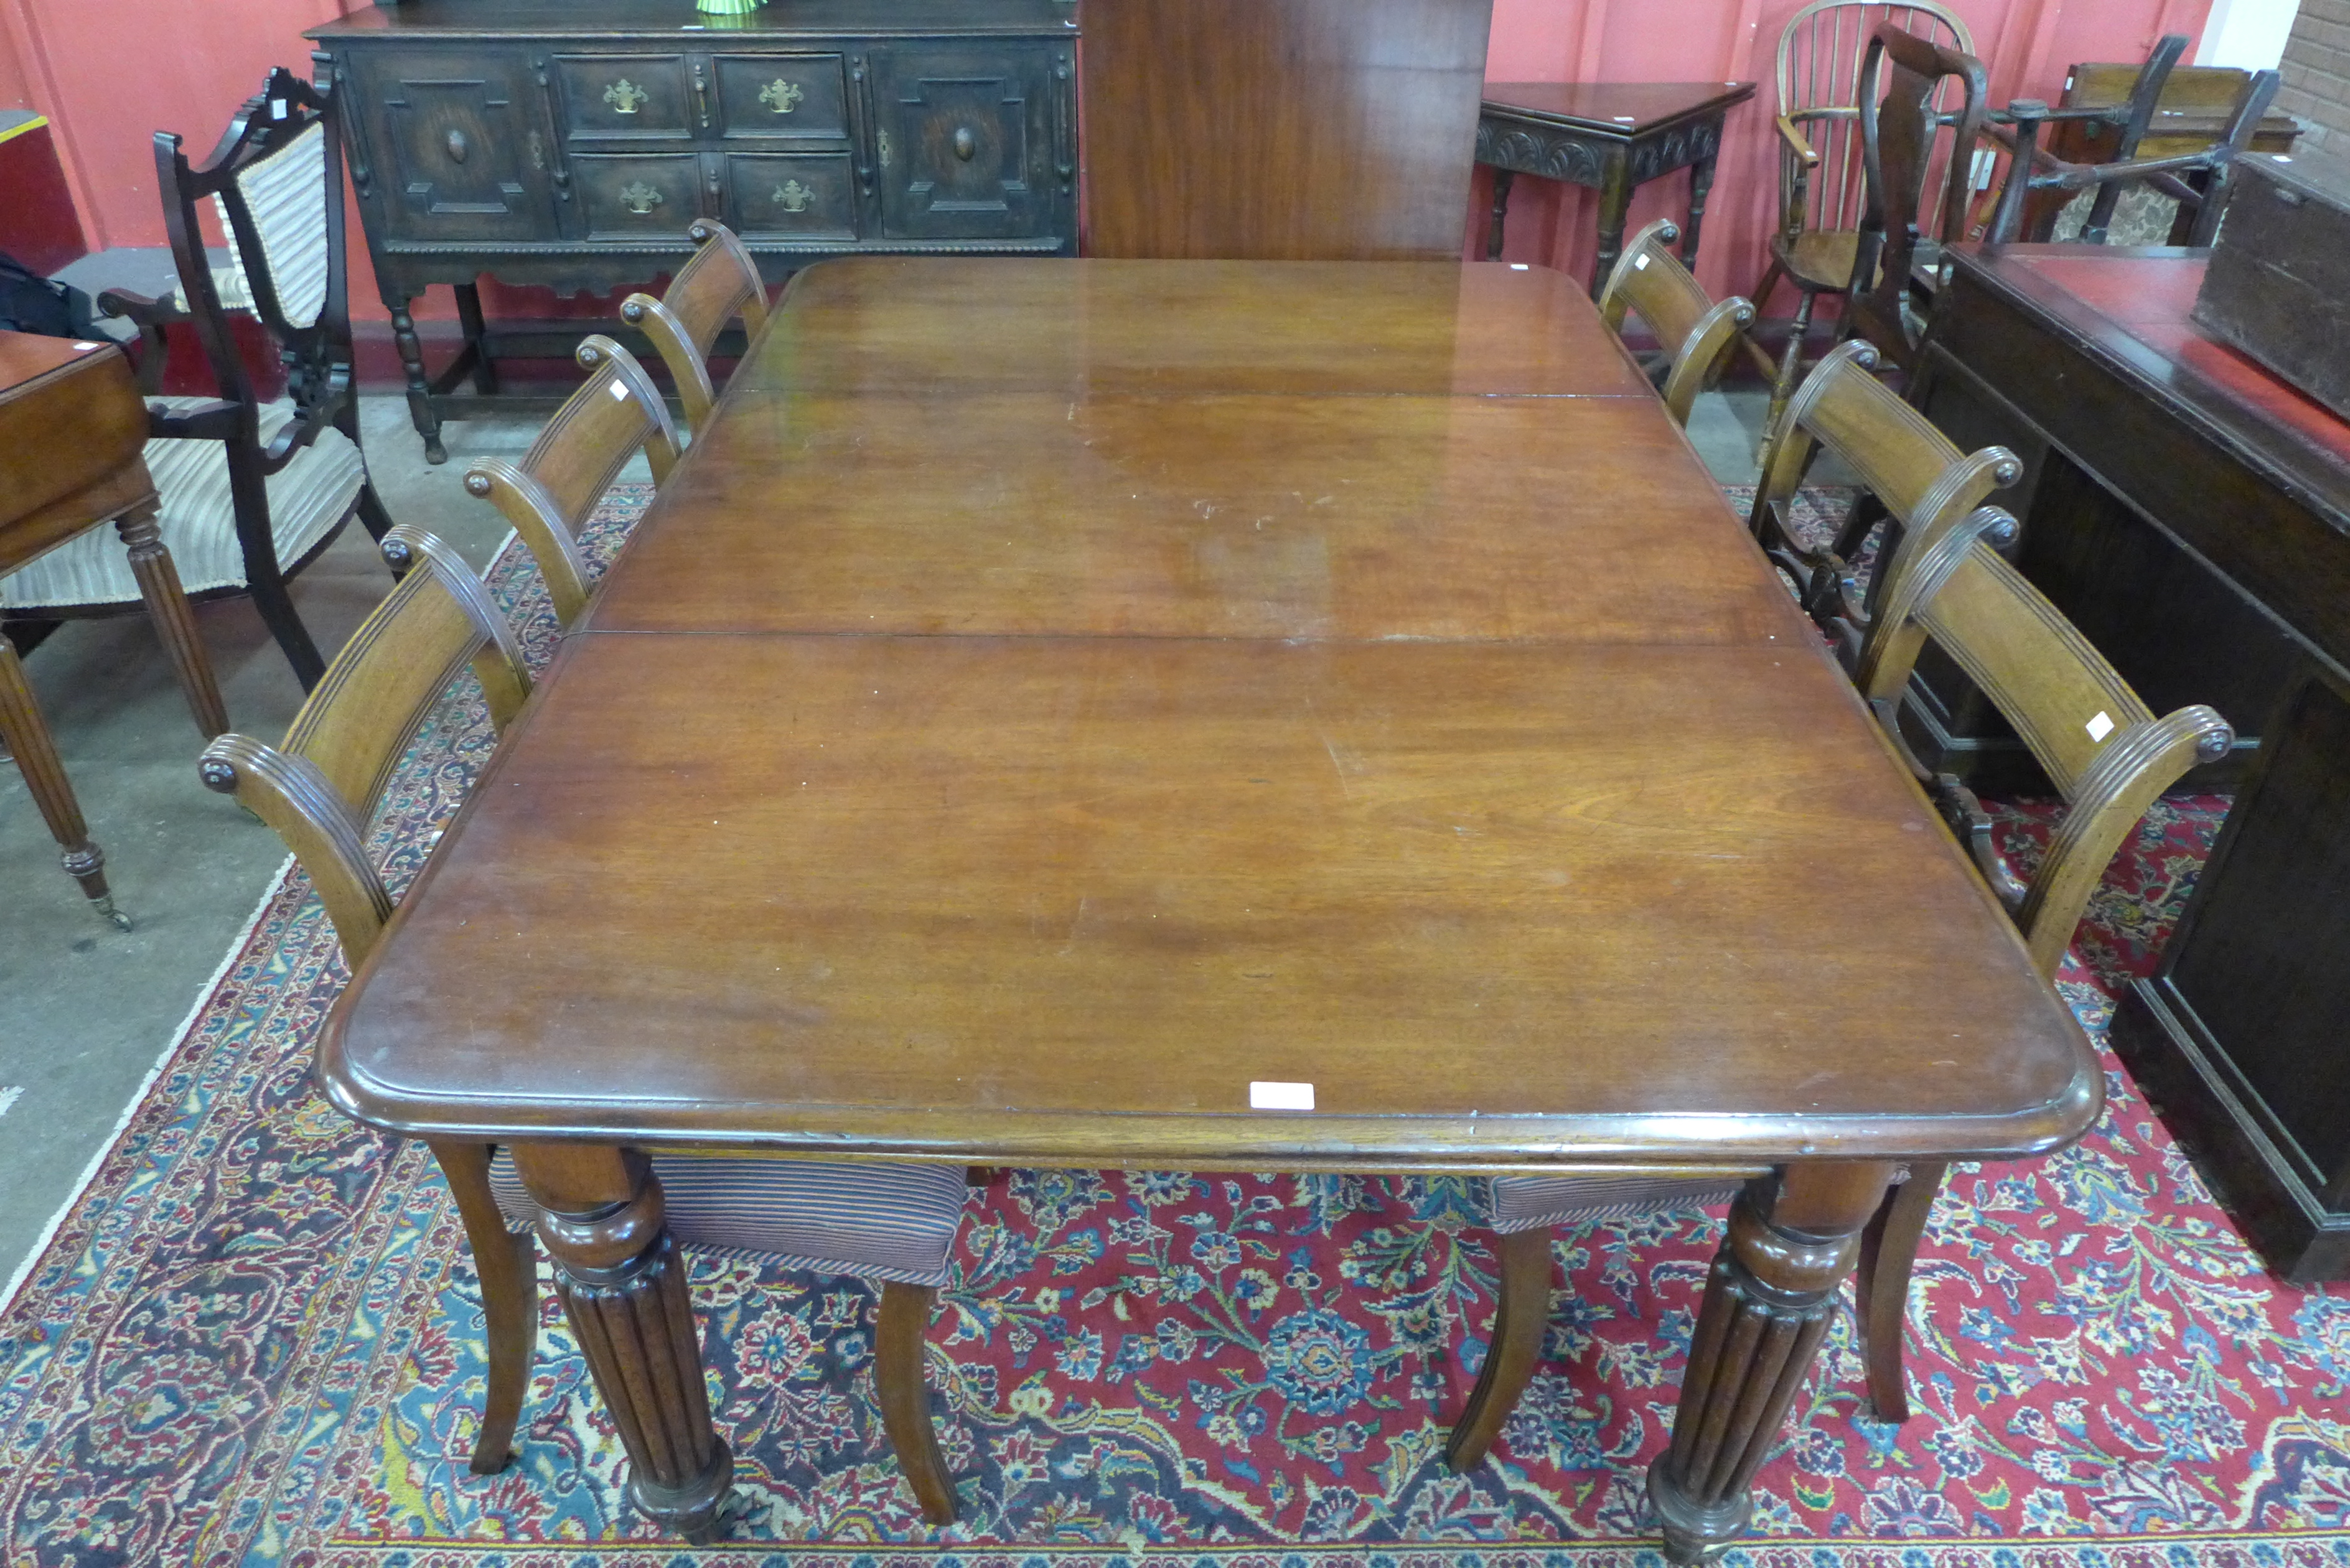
point(1284, 516)
point(908, 325)
point(951, 895)
point(1293, 129)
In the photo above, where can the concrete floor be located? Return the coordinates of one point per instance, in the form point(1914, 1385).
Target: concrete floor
point(86, 1011)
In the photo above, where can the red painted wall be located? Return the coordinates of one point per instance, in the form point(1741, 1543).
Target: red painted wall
point(109, 72)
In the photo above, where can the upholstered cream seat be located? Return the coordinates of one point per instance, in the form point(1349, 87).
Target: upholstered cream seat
point(307, 498)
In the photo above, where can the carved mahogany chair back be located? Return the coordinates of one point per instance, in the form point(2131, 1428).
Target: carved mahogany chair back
point(1910, 474)
point(1696, 331)
point(721, 283)
point(616, 413)
point(1282, 130)
point(251, 491)
point(1905, 156)
point(1823, 181)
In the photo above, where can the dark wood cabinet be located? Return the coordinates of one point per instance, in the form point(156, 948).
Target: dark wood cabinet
point(570, 143)
point(2190, 512)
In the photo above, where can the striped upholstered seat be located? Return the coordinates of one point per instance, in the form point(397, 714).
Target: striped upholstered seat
point(313, 493)
point(893, 1223)
point(1515, 1203)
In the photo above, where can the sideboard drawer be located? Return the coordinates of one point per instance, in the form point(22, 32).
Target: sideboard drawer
point(650, 195)
point(791, 195)
point(625, 95)
point(965, 141)
point(782, 94)
point(455, 150)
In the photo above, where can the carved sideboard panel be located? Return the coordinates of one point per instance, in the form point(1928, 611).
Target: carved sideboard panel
point(574, 144)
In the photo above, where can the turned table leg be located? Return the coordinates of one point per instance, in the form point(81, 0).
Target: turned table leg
point(1502, 179)
point(26, 734)
point(622, 1283)
point(1615, 205)
point(174, 617)
point(1793, 1238)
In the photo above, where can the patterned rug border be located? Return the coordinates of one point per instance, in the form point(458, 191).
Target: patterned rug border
point(205, 991)
point(2264, 1549)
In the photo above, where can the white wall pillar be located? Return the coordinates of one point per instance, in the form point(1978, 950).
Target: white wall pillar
point(2247, 34)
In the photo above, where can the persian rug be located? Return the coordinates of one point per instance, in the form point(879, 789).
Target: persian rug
point(254, 1338)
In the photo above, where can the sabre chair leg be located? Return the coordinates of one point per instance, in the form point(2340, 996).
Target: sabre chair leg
point(507, 1263)
point(1888, 1253)
point(1510, 1360)
point(905, 1398)
point(1790, 360)
point(26, 734)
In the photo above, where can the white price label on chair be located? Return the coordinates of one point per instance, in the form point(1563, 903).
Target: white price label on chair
point(2101, 726)
point(619, 392)
point(1281, 1097)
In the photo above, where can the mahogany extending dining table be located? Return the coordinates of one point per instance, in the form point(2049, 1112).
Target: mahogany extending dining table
point(1052, 696)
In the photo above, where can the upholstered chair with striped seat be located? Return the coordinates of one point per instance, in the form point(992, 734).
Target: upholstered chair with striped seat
point(721, 283)
point(251, 491)
point(320, 786)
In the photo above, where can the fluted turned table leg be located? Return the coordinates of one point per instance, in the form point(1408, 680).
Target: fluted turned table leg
point(1793, 1237)
point(174, 617)
point(623, 1287)
point(26, 734)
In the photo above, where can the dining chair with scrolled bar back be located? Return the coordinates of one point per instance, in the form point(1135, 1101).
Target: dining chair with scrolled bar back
point(550, 493)
point(1696, 331)
point(1912, 479)
point(1823, 182)
point(721, 283)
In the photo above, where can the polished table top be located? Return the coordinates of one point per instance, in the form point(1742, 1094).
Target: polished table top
point(1055, 696)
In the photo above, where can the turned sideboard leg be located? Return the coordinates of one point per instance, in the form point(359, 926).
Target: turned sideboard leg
point(622, 1283)
point(1793, 1238)
point(420, 388)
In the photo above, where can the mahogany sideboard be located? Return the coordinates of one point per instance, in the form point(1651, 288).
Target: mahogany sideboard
point(571, 143)
point(2190, 512)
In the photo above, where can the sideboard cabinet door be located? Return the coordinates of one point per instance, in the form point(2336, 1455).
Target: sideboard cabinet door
point(965, 141)
point(460, 143)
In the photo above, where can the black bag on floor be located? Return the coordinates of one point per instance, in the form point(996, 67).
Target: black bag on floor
point(31, 303)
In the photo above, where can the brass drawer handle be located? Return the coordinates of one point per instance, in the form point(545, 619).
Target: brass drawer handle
point(794, 197)
point(639, 198)
point(625, 96)
point(781, 96)
point(965, 145)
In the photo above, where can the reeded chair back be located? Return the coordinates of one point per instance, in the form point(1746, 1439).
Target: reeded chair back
point(2106, 752)
point(2108, 755)
point(616, 413)
point(1910, 472)
point(320, 786)
point(1823, 181)
point(721, 283)
point(1907, 86)
point(1696, 331)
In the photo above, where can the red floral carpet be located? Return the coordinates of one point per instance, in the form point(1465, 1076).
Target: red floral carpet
point(252, 1340)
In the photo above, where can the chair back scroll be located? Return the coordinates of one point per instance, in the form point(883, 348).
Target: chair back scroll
point(616, 412)
point(1910, 472)
point(321, 785)
point(719, 283)
point(1696, 331)
point(2105, 752)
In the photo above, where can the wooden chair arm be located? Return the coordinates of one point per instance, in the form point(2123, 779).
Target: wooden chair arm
point(1797, 143)
point(212, 419)
point(291, 794)
point(151, 316)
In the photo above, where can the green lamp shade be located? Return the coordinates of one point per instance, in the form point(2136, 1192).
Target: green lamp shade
point(728, 7)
